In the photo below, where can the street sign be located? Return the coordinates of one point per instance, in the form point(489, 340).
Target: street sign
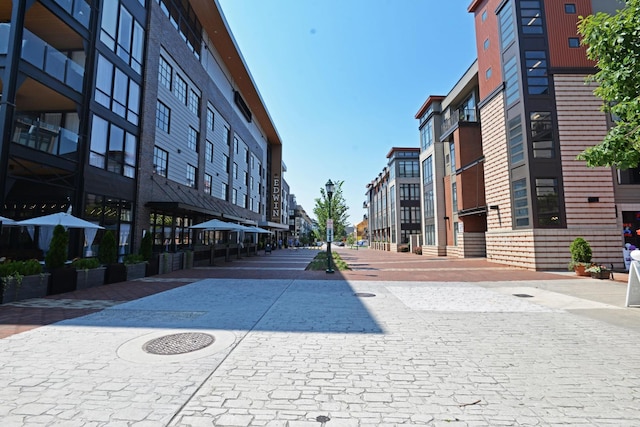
point(330, 224)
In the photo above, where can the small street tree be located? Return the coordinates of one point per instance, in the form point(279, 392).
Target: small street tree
point(338, 212)
point(614, 42)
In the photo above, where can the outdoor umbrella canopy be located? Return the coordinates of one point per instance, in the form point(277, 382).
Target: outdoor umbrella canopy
point(7, 221)
point(254, 229)
point(61, 218)
point(218, 225)
point(48, 222)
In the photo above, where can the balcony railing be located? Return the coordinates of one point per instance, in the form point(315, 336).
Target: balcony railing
point(79, 9)
point(461, 115)
point(45, 137)
point(52, 61)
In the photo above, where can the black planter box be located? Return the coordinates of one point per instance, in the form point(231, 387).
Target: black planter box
point(115, 273)
point(62, 280)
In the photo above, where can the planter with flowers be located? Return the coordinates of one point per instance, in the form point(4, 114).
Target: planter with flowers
point(580, 256)
point(598, 271)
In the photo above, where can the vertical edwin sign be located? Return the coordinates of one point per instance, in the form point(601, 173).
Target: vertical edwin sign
point(275, 200)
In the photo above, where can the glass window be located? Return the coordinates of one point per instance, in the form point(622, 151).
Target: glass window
point(488, 73)
point(427, 170)
point(486, 44)
point(547, 202)
point(104, 82)
point(224, 194)
point(191, 176)
point(208, 183)
point(99, 134)
point(109, 23)
point(210, 119)
point(452, 153)
point(426, 135)
point(112, 148)
point(542, 135)
point(194, 103)
point(225, 163)
point(124, 34)
point(160, 161)
point(226, 133)
point(408, 169)
point(454, 196)
point(209, 152)
point(511, 80)
point(569, 8)
point(484, 15)
point(505, 17)
point(120, 86)
point(192, 139)
point(235, 170)
point(430, 234)
point(137, 47)
point(520, 203)
point(531, 17)
point(181, 89)
point(574, 42)
point(537, 80)
point(429, 206)
point(163, 116)
point(165, 73)
point(234, 196)
point(516, 140)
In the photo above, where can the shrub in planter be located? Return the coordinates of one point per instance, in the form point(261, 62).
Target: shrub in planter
point(136, 266)
point(22, 280)
point(108, 255)
point(580, 255)
point(108, 250)
point(62, 279)
point(146, 247)
point(89, 272)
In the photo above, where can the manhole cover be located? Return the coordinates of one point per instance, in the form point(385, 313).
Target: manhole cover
point(523, 295)
point(178, 343)
point(364, 295)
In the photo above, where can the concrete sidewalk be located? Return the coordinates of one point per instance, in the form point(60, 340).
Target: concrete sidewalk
point(400, 339)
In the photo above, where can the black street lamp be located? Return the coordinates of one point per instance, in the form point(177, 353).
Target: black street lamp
point(329, 187)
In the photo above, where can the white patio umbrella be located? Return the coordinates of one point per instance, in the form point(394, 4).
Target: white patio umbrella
point(7, 221)
point(254, 229)
point(218, 225)
point(48, 222)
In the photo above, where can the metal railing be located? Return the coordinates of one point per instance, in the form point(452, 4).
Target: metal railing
point(457, 116)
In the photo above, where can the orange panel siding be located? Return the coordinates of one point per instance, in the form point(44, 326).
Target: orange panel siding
point(581, 124)
point(496, 165)
point(561, 26)
point(489, 58)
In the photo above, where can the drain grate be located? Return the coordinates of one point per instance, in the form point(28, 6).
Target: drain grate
point(364, 295)
point(178, 343)
point(523, 295)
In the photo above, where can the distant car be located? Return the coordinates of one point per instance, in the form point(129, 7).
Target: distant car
point(339, 243)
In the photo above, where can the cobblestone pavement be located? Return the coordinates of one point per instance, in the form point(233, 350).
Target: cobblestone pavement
point(399, 340)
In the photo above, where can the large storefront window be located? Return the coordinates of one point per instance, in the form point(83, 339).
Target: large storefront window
point(631, 227)
point(115, 215)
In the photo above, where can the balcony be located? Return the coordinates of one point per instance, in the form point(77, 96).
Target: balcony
point(465, 115)
point(51, 61)
point(45, 137)
point(45, 57)
point(79, 9)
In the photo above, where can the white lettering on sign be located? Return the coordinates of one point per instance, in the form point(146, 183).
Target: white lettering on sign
point(275, 196)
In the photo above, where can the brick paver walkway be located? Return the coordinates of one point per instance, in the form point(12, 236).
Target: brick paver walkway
point(398, 340)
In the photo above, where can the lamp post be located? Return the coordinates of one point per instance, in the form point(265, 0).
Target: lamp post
point(329, 187)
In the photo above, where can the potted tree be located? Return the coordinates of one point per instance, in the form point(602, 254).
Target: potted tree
point(89, 272)
point(146, 252)
point(63, 278)
point(21, 280)
point(580, 256)
point(108, 256)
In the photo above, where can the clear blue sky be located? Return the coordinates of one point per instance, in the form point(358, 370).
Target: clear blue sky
point(343, 80)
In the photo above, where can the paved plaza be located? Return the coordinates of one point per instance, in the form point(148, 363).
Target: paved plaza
point(398, 340)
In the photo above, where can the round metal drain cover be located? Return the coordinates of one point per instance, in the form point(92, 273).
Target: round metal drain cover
point(364, 295)
point(178, 343)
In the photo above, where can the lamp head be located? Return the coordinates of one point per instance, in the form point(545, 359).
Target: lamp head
point(329, 186)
